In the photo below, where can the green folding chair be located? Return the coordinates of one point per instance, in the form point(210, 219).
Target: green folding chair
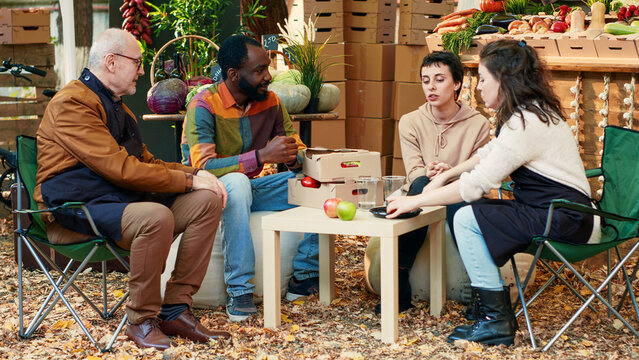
point(619, 212)
point(98, 249)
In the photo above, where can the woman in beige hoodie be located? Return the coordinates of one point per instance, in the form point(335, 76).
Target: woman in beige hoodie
point(437, 136)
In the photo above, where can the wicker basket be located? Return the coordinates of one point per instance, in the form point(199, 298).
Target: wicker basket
point(190, 37)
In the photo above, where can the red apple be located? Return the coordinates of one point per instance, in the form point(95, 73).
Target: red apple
point(308, 181)
point(559, 27)
point(346, 210)
point(330, 207)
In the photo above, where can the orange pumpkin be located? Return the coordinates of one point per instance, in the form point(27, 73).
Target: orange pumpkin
point(491, 6)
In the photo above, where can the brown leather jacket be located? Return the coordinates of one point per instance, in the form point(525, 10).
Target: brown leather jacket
point(74, 130)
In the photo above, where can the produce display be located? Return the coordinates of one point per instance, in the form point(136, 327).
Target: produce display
point(167, 96)
point(136, 19)
point(457, 31)
point(295, 97)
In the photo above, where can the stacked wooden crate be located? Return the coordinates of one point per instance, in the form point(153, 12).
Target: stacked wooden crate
point(24, 26)
point(417, 18)
point(20, 114)
point(328, 18)
point(370, 59)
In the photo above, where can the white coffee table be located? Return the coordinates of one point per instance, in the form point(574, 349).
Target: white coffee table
point(303, 219)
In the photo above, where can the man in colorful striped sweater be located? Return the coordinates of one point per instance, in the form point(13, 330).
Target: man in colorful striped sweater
point(232, 129)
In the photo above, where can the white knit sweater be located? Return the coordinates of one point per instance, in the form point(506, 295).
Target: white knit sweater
point(547, 149)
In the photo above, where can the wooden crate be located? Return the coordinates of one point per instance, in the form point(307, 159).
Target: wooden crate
point(42, 57)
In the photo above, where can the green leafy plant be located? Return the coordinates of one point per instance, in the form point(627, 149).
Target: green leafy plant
point(516, 6)
point(459, 41)
point(201, 17)
point(305, 54)
point(605, 2)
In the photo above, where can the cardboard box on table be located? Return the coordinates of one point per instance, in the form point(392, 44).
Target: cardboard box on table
point(372, 62)
point(337, 171)
point(325, 165)
point(24, 17)
point(315, 197)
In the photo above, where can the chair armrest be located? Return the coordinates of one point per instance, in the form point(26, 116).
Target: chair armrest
point(594, 172)
point(67, 205)
point(563, 203)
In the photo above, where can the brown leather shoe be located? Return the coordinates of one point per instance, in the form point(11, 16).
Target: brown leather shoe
point(148, 334)
point(187, 326)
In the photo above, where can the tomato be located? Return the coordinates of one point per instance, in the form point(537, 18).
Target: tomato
point(308, 181)
point(491, 6)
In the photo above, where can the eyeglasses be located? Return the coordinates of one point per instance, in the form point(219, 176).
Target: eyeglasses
point(138, 62)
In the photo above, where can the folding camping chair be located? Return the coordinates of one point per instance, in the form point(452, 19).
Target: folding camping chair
point(619, 212)
point(98, 249)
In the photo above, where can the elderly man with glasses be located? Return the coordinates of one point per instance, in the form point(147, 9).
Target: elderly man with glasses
point(90, 150)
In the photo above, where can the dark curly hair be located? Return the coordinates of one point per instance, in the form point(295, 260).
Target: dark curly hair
point(233, 52)
point(449, 59)
point(523, 82)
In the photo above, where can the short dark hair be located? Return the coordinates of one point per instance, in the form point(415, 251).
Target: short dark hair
point(233, 52)
point(445, 58)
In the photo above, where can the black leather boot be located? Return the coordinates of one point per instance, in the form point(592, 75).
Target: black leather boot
point(495, 324)
point(405, 292)
point(472, 313)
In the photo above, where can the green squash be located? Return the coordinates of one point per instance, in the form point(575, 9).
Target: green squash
point(294, 98)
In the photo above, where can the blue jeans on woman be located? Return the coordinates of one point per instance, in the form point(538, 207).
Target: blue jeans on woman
point(481, 268)
point(268, 193)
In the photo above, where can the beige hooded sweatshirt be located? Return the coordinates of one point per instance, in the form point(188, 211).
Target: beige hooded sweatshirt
point(423, 139)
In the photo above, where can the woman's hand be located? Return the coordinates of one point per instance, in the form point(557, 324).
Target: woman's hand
point(401, 204)
point(435, 168)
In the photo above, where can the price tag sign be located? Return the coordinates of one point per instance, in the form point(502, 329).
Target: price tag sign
point(289, 55)
point(216, 73)
point(270, 41)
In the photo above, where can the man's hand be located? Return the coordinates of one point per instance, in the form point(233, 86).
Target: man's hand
point(206, 180)
point(435, 168)
point(281, 149)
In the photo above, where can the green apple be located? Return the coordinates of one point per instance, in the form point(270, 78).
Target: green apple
point(346, 210)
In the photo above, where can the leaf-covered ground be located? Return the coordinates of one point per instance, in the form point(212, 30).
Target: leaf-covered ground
point(348, 329)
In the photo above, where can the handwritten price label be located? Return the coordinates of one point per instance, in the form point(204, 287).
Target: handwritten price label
point(270, 41)
point(216, 73)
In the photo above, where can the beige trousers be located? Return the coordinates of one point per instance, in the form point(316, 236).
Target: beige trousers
point(148, 230)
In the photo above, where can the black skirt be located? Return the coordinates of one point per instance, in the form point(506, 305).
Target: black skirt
point(508, 226)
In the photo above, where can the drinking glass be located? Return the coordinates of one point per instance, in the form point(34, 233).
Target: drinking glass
point(366, 192)
point(392, 183)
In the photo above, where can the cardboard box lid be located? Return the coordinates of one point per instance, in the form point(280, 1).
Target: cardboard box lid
point(329, 165)
point(24, 17)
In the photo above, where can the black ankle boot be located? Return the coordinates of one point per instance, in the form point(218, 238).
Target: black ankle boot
point(472, 313)
point(405, 292)
point(495, 324)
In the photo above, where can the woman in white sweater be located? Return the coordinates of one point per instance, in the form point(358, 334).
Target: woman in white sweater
point(536, 148)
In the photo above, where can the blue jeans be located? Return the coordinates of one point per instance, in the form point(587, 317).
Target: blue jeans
point(481, 268)
point(246, 196)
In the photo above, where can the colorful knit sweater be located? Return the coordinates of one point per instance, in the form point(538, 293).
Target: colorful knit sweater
point(220, 136)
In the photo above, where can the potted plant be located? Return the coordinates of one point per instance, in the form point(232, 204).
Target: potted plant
point(305, 54)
